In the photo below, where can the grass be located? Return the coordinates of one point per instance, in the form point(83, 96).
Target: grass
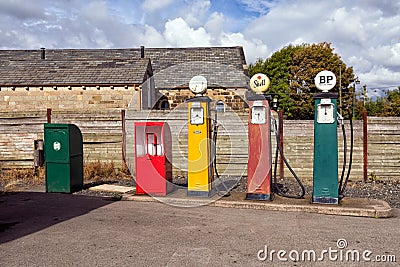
point(93, 172)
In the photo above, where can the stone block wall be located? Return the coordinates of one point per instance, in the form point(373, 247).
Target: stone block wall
point(69, 98)
point(232, 98)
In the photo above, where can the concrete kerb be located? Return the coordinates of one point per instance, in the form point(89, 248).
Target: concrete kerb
point(358, 207)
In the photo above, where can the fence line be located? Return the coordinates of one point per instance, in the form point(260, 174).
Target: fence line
point(104, 141)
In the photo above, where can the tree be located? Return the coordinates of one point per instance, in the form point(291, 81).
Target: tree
point(292, 71)
point(277, 68)
point(392, 107)
point(386, 106)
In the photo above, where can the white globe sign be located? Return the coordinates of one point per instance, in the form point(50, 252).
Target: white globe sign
point(325, 80)
point(259, 83)
point(198, 85)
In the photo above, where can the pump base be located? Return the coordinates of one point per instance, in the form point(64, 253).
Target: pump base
point(325, 200)
point(192, 193)
point(252, 196)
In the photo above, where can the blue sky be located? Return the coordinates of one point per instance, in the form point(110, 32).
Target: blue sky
point(365, 33)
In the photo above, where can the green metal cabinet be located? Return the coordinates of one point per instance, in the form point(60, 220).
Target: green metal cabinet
point(325, 175)
point(63, 153)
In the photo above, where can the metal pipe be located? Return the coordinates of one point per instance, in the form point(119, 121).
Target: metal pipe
point(142, 51)
point(43, 53)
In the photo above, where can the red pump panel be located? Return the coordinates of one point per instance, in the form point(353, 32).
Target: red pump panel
point(259, 168)
point(153, 157)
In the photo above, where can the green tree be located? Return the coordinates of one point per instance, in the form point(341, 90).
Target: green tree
point(277, 68)
point(392, 105)
point(386, 106)
point(292, 71)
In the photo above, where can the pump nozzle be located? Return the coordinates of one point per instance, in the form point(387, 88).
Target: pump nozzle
point(274, 105)
point(340, 118)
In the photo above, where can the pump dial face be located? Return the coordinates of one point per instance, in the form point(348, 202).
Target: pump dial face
point(325, 113)
point(196, 115)
point(258, 115)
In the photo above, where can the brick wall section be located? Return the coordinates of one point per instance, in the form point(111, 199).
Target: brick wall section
point(68, 98)
point(102, 140)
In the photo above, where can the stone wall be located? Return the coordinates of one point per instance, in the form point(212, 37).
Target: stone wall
point(232, 98)
point(68, 98)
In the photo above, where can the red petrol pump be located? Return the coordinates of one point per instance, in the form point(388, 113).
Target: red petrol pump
point(260, 185)
point(153, 152)
point(259, 165)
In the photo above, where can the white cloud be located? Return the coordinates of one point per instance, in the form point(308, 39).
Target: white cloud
point(155, 5)
point(179, 33)
point(215, 25)
point(365, 33)
point(195, 12)
point(253, 48)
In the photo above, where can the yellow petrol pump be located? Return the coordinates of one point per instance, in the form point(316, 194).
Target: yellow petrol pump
point(200, 169)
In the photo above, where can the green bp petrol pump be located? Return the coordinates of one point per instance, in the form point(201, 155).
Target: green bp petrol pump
point(325, 172)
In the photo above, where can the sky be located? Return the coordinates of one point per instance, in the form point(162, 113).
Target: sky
point(365, 33)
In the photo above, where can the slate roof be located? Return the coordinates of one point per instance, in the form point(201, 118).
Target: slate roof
point(73, 72)
point(172, 67)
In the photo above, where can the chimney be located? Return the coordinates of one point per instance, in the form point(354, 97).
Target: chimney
point(43, 54)
point(141, 51)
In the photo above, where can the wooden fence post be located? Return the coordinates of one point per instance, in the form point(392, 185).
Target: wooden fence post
point(123, 137)
point(281, 166)
point(48, 115)
point(365, 144)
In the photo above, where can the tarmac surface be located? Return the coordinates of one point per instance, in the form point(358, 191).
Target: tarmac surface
point(53, 229)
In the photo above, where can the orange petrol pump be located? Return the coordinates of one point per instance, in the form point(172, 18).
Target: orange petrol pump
point(153, 165)
point(259, 166)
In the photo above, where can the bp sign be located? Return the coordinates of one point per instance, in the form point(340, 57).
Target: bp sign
point(325, 80)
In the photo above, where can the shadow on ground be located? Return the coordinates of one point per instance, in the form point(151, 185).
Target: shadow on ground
point(24, 213)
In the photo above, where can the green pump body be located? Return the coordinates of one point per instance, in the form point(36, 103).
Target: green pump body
point(325, 172)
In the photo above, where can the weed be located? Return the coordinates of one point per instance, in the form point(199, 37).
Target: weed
point(15, 178)
point(97, 171)
point(372, 177)
point(117, 196)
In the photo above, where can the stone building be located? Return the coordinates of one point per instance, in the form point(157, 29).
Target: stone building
point(104, 79)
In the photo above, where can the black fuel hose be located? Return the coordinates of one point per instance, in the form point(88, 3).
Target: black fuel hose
point(344, 154)
point(278, 148)
point(214, 138)
point(342, 187)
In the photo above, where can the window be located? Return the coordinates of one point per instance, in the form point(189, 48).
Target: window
point(164, 105)
point(220, 107)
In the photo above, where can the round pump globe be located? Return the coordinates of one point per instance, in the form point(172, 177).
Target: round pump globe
point(198, 85)
point(325, 80)
point(259, 83)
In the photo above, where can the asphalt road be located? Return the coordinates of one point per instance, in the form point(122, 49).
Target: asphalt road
point(38, 229)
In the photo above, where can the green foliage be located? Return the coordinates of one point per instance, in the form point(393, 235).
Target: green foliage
point(392, 107)
point(387, 106)
point(277, 68)
point(292, 71)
